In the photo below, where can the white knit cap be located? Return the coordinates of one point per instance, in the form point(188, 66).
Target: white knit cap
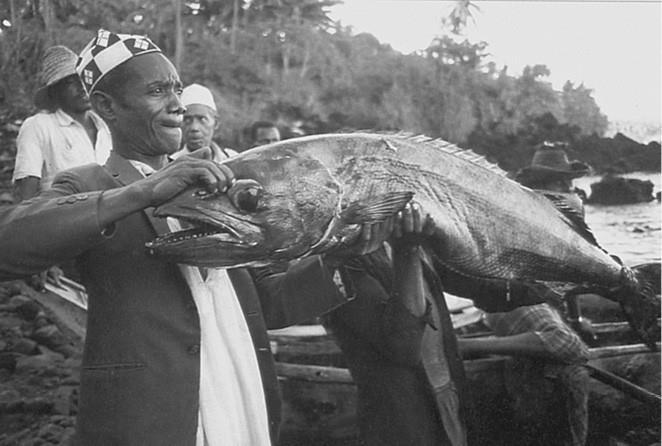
point(197, 94)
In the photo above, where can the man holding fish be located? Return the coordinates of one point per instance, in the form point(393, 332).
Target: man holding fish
point(174, 354)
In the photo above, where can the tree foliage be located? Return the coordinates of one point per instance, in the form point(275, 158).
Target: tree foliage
point(285, 60)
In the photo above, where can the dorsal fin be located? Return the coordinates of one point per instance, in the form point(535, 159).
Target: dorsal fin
point(574, 217)
point(446, 147)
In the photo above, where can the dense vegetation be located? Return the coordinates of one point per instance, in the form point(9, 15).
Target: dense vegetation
point(286, 61)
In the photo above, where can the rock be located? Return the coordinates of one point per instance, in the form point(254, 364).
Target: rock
point(51, 433)
point(36, 363)
point(41, 320)
point(10, 322)
point(64, 400)
point(613, 190)
point(25, 307)
point(68, 437)
point(14, 406)
point(8, 361)
point(38, 405)
point(9, 395)
point(18, 300)
point(51, 337)
point(24, 346)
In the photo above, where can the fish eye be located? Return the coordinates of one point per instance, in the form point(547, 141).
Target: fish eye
point(245, 195)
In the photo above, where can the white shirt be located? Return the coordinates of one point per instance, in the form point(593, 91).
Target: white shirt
point(49, 143)
point(233, 408)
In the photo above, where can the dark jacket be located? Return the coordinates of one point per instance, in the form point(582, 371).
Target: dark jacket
point(400, 401)
point(140, 369)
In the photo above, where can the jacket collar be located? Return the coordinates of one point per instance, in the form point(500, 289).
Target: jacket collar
point(122, 170)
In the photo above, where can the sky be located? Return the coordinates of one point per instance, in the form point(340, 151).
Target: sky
point(612, 47)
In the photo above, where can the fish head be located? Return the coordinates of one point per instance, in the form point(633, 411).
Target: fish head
point(278, 207)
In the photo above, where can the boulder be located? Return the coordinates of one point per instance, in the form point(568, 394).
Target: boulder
point(613, 190)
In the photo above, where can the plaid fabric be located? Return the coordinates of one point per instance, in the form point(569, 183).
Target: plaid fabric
point(107, 51)
point(573, 380)
point(559, 339)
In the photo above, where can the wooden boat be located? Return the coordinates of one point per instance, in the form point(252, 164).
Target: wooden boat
point(320, 397)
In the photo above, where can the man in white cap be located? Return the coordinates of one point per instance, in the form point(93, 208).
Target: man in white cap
point(174, 355)
point(65, 133)
point(200, 123)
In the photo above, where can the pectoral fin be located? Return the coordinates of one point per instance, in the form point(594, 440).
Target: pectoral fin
point(375, 209)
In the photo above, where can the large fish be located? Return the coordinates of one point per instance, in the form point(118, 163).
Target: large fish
point(304, 196)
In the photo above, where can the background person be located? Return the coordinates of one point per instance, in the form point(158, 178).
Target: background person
point(264, 132)
point(547, 378)
point(200, 123)
point(65, 133)
point(396, 336)
point(552, 171)
point(548, 368)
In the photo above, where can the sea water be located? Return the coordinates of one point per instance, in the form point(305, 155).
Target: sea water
point(633, 231)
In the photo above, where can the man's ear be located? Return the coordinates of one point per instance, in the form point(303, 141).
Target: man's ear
point(103, 104)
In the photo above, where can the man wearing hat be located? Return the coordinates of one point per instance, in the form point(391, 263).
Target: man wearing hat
point(200, 123)
point(174, 355)
point(549, 355)
point(64, 134)
point(551, 171)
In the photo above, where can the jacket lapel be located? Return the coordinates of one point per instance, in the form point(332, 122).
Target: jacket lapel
point(122, 170)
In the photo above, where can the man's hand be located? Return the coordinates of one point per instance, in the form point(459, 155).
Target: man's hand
point(408, 227)
point(190, 170)
point(370, 237)
point(411, 227)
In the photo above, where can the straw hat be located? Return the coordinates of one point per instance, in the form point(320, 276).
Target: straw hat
point(551, 162)
point(58, 62)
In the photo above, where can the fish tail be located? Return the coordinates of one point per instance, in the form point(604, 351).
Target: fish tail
point(639, 297)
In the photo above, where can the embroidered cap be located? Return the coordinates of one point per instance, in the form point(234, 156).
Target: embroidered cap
point(108, 50)
point(197, 94)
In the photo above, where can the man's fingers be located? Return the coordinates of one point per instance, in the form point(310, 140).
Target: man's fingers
point(389, 225)
point(228, 176)
point(428, 226)
point(397, 225)
point(407, 220)
point(417, 225)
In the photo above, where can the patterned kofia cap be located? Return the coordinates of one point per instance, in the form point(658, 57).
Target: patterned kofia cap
point(106, 51)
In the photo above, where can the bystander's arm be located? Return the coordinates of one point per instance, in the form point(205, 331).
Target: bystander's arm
point(26, 188)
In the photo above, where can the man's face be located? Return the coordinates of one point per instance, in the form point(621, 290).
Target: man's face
point(148, 111)
point(70, 95)
point(266, 135)
point(199, 125)
point(563, 185)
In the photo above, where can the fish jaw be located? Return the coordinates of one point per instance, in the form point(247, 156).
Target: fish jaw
point(199, 246)
point(213, 236)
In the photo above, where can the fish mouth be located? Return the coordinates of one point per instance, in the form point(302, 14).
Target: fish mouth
point(208, 227)
point(196, 231)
